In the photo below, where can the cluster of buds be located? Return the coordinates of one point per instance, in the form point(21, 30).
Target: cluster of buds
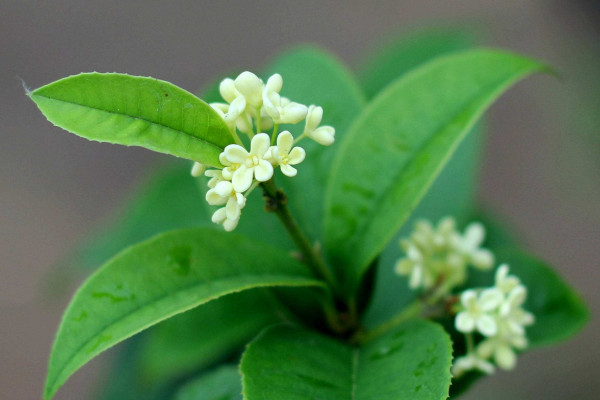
point(252, 107)
point(439, 256)
point(497, 315)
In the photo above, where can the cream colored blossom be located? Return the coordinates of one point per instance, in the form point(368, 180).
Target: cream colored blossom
point(281, 109)
point(285, 155)
point(324, 135)
point(478, 313)
point(198, 169)
point(251, 164)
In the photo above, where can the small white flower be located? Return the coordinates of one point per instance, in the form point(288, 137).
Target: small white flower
point(478, 311)
point(198, 169)
point(471, 362)
point(216, 176)
point(220, 217)
point(469, 245)
point(500, 348)
point(284, 155)
point(281, 109)
point(224, 193)
point(512, 313)
point(251, 87)
point(414, 267)
point(251, 164)
point(324, 135)
point(504, 281)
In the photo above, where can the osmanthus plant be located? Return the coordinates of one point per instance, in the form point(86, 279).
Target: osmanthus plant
point(322, 287)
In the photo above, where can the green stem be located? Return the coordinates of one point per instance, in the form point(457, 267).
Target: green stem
point(258, 121)
point(274, 134)
point(276, 201)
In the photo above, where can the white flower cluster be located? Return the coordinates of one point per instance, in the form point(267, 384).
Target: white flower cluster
point(441, 255)
point(251, 108)
point(497, 314)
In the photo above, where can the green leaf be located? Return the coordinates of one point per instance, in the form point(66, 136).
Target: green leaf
point(453, 192)
point(221, 384)
point(313, 76)
point(413, 128)
point(286, 363)
point(169, 198)
point(157, 279)
point(559, 311)
point(135, 111)
point(205, 335)
point(401, 54)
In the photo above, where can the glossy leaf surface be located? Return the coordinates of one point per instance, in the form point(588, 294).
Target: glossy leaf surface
point(135, 111)
point(207, 334)
point(157, 279)
point(399, 144)
point(285, 363)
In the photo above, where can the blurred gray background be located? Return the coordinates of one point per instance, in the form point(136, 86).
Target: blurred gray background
point(541, 168)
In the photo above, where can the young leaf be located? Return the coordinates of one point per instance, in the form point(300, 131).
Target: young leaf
point(224, 383)
point(157, 279)
point(397, 146)
point(286, 363)
point(204, 335)
point(559, 311)
point(313, 76)
point(401, 54)
point(135, 111)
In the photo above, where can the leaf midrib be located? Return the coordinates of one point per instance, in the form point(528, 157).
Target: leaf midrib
point(127, 116)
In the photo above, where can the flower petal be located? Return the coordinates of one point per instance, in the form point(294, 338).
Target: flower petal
point(224, 188)
point(288, 170)
point(275, 83)
point(219, 216)
point(323, 135)
point(228, 90)
point(486, 325)
point(263, 171)
point(285, 141)
point(251, 87)
point(314, 115)
point(490, 299)
point(235, 153)
point(505, 357)
point(260, 144)
point(230, 224)
point(232, 208)
point(296, 156)
point(464, 322)
point(242, 178)
point(214, 198)
point(293, 113)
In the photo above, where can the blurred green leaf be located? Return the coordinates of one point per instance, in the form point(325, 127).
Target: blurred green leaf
point(157, 279)
point(415, 125)
point(135, 111)
point(168, 199)
point(224, 383)
point(285, 363)
point(207, 334)
point(405, 52)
